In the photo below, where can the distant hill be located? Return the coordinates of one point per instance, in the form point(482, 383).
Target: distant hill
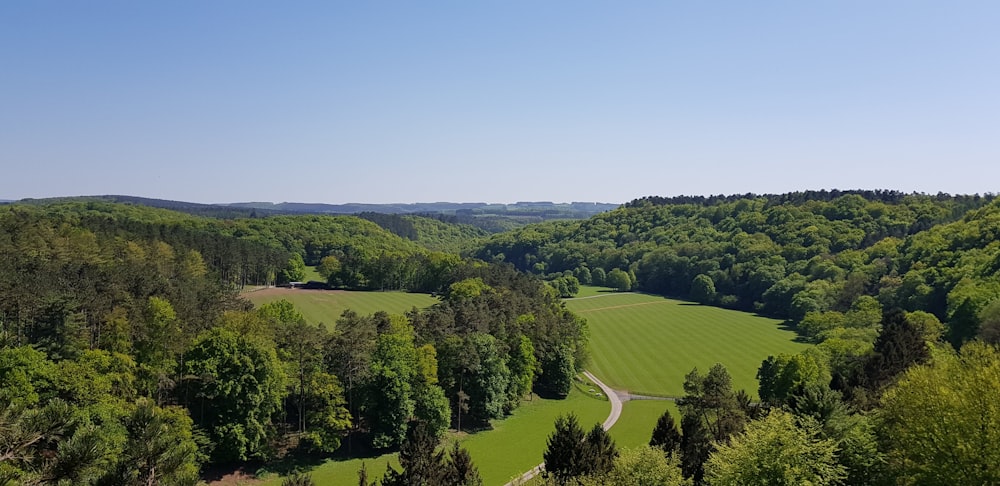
point(492, 218)
point(574, 208)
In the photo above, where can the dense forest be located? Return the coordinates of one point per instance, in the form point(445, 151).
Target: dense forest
point(129, 357)
point(900, 293)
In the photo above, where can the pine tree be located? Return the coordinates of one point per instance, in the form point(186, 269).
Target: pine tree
point(899, 346)
point(599, 451)
point(665, 434)
point(564, 457)
point(461, 471)
point(421, 465)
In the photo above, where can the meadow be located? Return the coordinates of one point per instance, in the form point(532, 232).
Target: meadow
point(514, 445)
point(635, 426)
point(327, 305)
point(646, 344)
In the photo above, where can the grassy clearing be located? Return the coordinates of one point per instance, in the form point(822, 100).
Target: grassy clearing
point(327, 305)
point(513, 446)
point(646, 344)
point(635, 426)
point(591, 291)
point(312, 275)
point(517, 443)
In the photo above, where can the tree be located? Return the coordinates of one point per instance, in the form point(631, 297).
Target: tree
point(781, 375)
point(160, 448)
point(564, 455)
point(234, 386)
point(487, 381)
point(460, 471)
point(989, 322)
point(557, 372)
point(329, 268)
point(158, 344)
point(295, 271)
point(899, 346)
point(598, 276)
point(703, 289)
point(430, 403)
point(641, 466)
point(711, 413)
point(775, 451)
point(599, 451)
point(421, 465)
point(940, 420)
point(619, 280)
point(523, 367)
point(389, 403)
point(665, 434)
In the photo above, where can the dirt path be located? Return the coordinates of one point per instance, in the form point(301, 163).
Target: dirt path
point(616, 411)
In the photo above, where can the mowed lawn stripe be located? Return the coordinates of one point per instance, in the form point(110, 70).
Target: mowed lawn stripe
point(646, 344)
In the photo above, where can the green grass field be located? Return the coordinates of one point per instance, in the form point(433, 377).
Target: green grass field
point(635, 426)
point(312, 274)
point(646, 344)
point(590, 291)
point(327, 305)
point(514, 446)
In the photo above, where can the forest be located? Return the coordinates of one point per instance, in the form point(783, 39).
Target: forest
point(129, 356)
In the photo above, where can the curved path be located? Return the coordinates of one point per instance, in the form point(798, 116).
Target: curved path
point(616, 411)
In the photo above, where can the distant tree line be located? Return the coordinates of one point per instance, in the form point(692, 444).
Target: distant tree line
point(830, 265)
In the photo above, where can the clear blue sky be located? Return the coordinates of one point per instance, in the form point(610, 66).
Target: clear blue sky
point(495, 101)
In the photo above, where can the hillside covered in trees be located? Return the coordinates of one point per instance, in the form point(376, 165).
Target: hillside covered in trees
point(128, 356)
point(790, 256)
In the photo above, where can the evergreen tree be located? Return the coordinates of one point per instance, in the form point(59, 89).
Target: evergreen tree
point(460, 470)
point(599, 451)
point(564, 455)
point(899, 346)
point(665, 434)
point(421, 464)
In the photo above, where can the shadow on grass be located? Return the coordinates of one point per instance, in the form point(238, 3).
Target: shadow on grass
point(298, 460)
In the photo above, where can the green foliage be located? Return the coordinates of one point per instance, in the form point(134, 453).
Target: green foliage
point(600, 451)
point(565, 455)
point(703, 289)
point(666, 436)
point(775, 451)
point(557, 372)
point(460, 470)
point(523, 367)
point(159, 449)
point(421, 465)
point(467, 289)
point(298, 480)
point(235, 385)
point(640, 466)
point(487, 380)
point(389, 401)
point(599, 277)
point(618, 280)
point(782, 375)
point(566, 286)
point(295, 271)
point(711, 413)
point(940, 421)
point(899, 346)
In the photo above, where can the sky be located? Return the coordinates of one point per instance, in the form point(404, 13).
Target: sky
point(495, 101)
